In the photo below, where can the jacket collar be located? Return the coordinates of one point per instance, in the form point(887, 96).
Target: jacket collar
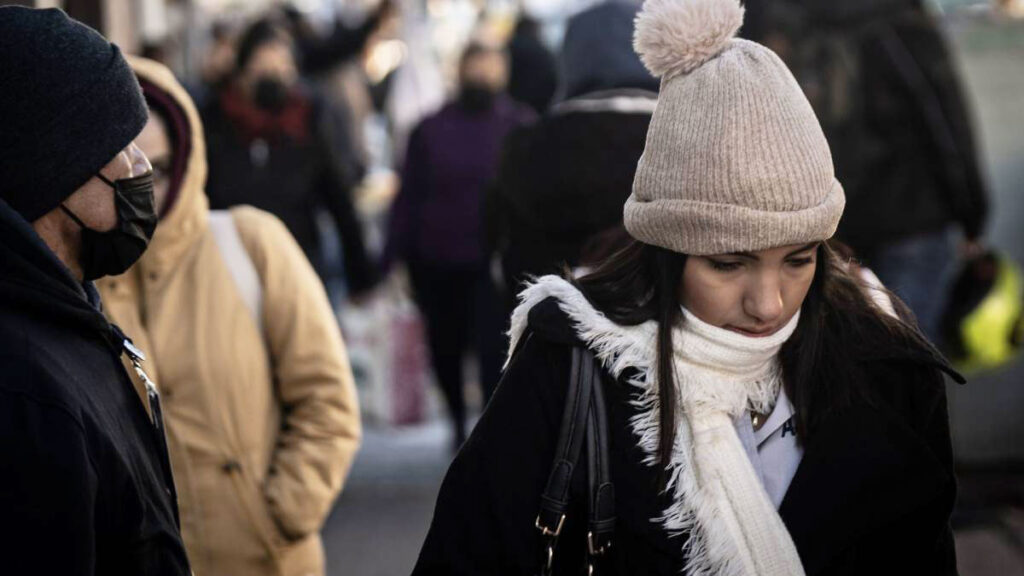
point(885, 469)
point(34, 282)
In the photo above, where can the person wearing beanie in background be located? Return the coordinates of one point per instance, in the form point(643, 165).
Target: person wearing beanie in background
point(562, 183)
point(763, 416)
point(259, 399)
point(275, 143)
point(437, 224)
point(85, 479)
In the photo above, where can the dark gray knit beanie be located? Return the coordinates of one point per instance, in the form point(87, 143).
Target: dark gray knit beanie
point(68, 104)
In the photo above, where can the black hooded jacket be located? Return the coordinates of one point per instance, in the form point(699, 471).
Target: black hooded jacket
point(872, 494)
point(563, 181)
point(85, 486)
point(905, 152)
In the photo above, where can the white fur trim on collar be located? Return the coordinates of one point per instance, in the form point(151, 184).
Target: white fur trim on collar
point(696, 510)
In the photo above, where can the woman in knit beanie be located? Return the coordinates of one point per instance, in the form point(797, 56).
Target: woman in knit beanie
point(764, 413)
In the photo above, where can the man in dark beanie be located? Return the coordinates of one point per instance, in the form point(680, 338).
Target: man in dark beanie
point(85, 484)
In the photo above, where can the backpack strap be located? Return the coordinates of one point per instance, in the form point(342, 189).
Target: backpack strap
point(239, 263)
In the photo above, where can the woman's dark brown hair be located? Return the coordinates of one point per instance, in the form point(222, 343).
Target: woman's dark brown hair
point(840, 326)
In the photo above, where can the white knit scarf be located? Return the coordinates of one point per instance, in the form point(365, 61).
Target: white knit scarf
point(718, 499)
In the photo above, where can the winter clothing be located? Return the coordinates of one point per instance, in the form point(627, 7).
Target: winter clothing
point(563, 181)
point(902, 140)
point(437, 228)
point(85, 486)
point(289, 164)
point(719, 499)
point(452, 157)
point(64, 118)
point(263, 424)
point(884, 510)
point(774, 449)
point(736, 159)
point(533, 71)
point(597, 53)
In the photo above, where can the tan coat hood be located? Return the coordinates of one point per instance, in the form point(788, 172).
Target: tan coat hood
point(184, 223)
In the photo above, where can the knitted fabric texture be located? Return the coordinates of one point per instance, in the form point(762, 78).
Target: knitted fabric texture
point(718, 499)
point(69, 103)
point(735, 158)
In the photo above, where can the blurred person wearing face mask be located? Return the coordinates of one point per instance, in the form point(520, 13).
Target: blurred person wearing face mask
point(436, 225)
point(275, 144)
point(260, 402)
point(83, 458)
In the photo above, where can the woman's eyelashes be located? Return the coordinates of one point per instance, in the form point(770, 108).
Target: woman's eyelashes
point(800, 262)
point(732, 266)
point(724, 266)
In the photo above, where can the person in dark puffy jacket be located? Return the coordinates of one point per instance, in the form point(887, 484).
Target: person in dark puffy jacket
point(563, 180)
point(881, 77)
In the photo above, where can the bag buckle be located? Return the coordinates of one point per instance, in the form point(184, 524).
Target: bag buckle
point(547, 531)
point(593, 548)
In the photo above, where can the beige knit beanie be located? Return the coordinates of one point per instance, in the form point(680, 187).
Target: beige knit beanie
point(735, 159)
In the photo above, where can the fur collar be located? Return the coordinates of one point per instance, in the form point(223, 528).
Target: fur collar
point(628, 353)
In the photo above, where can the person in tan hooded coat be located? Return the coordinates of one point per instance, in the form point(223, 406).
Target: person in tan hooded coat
point(259, 400)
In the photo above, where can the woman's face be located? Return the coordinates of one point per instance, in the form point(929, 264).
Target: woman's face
point(751, 293)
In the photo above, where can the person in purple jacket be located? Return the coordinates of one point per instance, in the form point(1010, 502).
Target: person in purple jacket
point(436, 224)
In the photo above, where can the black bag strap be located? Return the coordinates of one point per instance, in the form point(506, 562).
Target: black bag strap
point(554, 502)
point(583, 421)
point(602, 490)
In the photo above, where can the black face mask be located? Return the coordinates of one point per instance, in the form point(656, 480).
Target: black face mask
point(271, 94)
point(476, 97)
point(113, 252)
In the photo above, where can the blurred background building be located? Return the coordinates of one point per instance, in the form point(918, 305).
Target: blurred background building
point(404, 70)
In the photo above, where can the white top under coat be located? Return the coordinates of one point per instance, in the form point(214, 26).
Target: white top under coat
point(773, 449)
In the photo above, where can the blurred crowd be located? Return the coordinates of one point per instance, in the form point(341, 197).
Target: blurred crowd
point(310, 169)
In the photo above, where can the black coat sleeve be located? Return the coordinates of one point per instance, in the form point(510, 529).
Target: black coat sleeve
point(484, 519)
point(342, 172)
point(924, 537)
point(919, 49)
point(934, 428)
point(48, 487)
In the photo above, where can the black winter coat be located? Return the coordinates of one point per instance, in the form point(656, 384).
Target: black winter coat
point(908, 159)
point(872, 495)
point(564, 180)
point(293, 180)
point(85, 484)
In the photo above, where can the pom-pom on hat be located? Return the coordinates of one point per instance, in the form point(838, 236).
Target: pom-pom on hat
point(735, 158)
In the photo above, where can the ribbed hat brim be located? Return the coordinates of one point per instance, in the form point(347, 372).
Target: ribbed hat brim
point(702, 228)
